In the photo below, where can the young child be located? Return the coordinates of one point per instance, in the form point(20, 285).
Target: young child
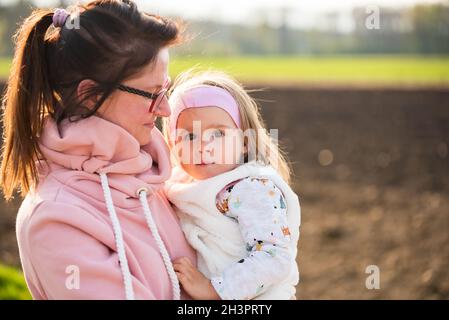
point(230, 190)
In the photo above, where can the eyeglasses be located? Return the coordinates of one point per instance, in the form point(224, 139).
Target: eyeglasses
point(156, 98)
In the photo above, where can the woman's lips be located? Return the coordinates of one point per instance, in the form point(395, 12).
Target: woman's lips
point(205, 163)
point(149, 125)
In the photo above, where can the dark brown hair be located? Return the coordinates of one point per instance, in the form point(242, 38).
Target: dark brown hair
point(113, 41)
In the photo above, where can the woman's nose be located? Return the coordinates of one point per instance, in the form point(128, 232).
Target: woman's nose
point(164, 108)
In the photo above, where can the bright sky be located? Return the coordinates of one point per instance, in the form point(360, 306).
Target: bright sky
point(301, 13)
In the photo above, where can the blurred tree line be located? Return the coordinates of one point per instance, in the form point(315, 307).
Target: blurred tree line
point(421, 29)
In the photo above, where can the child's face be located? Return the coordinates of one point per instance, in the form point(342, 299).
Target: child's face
point(208, 142)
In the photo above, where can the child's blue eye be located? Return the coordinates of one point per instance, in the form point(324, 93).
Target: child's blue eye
point(218, 133)
point(190, 136)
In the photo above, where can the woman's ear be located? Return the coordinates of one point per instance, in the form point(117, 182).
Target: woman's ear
point(84, 93)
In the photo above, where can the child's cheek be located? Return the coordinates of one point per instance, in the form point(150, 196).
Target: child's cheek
point(231, 150)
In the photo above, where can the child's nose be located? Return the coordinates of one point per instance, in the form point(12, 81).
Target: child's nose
point(207, 147)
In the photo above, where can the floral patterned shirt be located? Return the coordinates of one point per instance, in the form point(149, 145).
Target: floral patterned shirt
point(260, 209)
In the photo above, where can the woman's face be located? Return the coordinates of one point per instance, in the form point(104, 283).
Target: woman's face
point(131, 111)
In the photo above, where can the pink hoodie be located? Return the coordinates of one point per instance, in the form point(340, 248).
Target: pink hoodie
point(66, 235)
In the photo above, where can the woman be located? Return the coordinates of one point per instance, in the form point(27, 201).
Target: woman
point(83, 95)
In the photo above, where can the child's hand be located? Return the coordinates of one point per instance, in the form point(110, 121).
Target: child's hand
point(193, 281)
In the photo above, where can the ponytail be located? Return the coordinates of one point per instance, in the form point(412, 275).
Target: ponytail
point(25, 104)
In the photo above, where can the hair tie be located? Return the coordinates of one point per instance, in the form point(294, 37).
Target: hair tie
point(60, 17)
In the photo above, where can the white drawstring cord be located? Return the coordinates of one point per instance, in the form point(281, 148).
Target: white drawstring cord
point(118, 238)
point(121, 247)
point(142, 192)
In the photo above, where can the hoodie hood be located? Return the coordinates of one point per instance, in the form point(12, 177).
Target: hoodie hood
point(98, 150)
point(95, 145)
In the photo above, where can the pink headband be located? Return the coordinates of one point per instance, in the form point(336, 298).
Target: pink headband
point(202, 96)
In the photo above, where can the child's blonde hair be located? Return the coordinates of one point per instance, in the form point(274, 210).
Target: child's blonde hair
point(250, 117)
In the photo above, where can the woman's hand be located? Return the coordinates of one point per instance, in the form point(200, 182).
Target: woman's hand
point(193, 281)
